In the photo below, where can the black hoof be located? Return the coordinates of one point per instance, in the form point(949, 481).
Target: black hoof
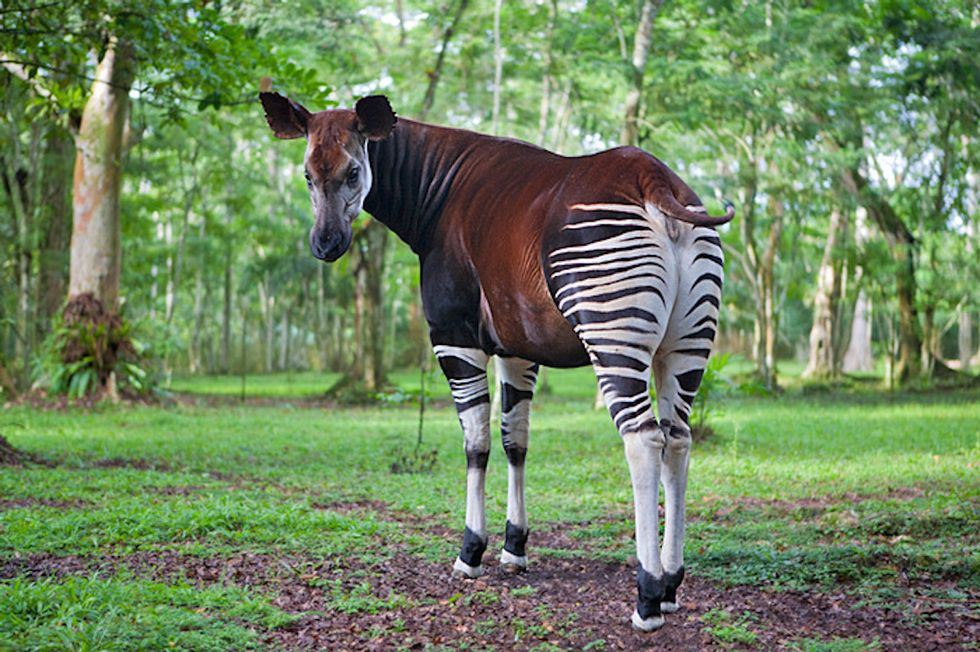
point(473, 548)
point(672, 581)
point(650, 593)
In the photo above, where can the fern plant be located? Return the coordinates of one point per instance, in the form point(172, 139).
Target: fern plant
point(88, 346)
point(713, 385)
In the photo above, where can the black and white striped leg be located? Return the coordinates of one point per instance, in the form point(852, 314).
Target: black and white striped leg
point(678, 376)
point(517, 378)
point(613, 275)
point(644, 452)
point(466, 370)
point(678, 369)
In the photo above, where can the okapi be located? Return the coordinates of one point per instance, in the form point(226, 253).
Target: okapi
point(537, 259)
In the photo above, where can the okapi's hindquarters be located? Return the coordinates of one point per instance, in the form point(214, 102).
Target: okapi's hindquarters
point(517, 378)
point(623, 282)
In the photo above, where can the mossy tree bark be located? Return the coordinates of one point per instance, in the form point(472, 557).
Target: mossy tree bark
point(95, 242)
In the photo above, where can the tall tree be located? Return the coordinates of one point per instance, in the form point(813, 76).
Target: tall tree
point(824, 358)
point(95, 240)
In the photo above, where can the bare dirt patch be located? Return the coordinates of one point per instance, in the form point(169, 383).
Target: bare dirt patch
point(27, 503)
point(344, 603)
point(10, 456)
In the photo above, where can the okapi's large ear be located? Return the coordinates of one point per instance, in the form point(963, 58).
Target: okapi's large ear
point(375, 118)
point(288, 119)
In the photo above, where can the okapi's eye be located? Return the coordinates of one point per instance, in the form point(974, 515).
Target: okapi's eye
point(309, 181)
point(353, 176)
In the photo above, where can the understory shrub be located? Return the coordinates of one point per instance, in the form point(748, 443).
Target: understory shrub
point(705, 405)
point(90, 346)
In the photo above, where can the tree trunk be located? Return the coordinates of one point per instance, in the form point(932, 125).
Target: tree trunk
point(15, 183)
point(322, 338)
point(436, 71)
point(641, 49)
point(198, 319)
point(498, 66)
point(901, 245)
point(95, 253)
point(284, 339)
point(965, 339)
point(823, 362)
point(768, 285)
point(858, 356)
point(52, 278)
point(267, 307)
point(545, 108)
point(177, 262)
point(369, 306)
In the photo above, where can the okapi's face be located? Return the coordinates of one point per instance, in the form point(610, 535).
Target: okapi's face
point(338, 172)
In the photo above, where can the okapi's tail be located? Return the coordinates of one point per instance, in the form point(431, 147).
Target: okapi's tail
point(698, 216)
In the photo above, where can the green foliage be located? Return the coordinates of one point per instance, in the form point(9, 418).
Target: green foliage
point(835, 644)
point(88, 346)
point(361, 599)
point(727, 630)
point(713, 385)
point(416, 460)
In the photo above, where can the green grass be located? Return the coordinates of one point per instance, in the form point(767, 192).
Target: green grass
point(844, 493)
point(124, 613)
point(727, 630)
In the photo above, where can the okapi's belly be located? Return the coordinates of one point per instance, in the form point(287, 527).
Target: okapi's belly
point(526, 323)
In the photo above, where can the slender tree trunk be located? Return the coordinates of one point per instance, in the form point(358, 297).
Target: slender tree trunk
point(545, 110)
point(858, 356)
point(226, 314)
point(902, 247)
point(15, 183)
point(641, 50)
point(284, 339)
point(177, 264)
point(198, 325)
point(267, 307)
point(95, 243)
point(498, 65)
point(52, 278)
point(436, 71)
point(965, 339)
point(369, 306)
point(823, 362)
point(322, 338)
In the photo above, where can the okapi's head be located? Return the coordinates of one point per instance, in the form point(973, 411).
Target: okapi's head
point(338, 172)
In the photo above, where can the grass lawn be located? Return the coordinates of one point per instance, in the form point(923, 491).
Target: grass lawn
point(242, 527)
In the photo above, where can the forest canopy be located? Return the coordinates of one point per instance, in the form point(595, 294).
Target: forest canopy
point(843, 132)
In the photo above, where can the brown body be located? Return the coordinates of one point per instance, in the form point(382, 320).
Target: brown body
point(504, 205)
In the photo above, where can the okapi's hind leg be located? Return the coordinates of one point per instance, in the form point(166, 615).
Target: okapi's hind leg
point(466, 370)
point(677, 378)
point(612, 274)
point(517, 378)
point(678, 368)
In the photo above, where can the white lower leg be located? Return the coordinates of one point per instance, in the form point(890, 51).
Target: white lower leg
point(643, 452)
point(516, 534)
point(676, 456)
point(476, 430)
point(517, 379)
point(469, 562)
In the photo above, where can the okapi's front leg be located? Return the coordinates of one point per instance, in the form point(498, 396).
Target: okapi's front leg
point(466, 370)
point(517, 378)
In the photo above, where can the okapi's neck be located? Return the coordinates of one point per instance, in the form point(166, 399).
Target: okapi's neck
point(413, 171)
